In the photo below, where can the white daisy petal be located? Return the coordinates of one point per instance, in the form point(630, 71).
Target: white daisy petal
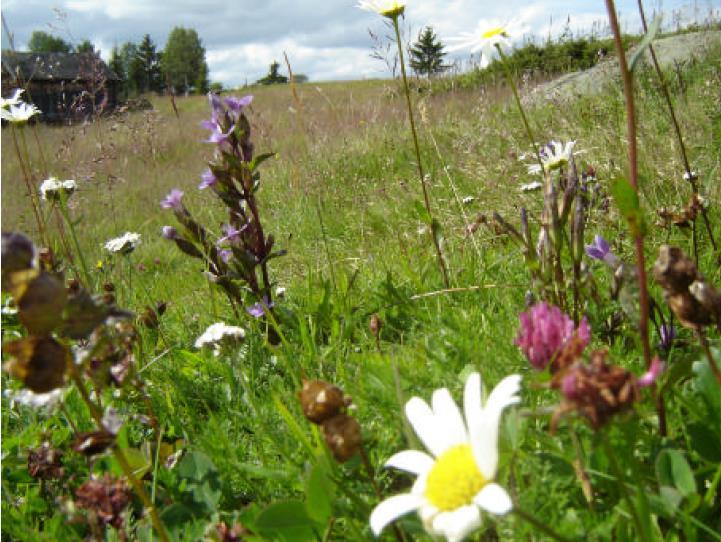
point(424, 423)
point(484, 435)
point(393, 508)
point(412, 461)
point(457, 524)
point(472, 406)
point(445, 408)
point(494, 499)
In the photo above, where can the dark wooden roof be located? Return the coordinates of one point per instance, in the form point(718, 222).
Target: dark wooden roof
point(53, 66)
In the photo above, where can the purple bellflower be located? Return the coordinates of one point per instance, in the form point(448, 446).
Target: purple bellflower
point(232, 234)
point(601, 250)
point(173, 200)
point(207, 179)
point(236, 105)
point(545, 330)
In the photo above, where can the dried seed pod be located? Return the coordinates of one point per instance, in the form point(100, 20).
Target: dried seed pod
point(321, 400)
point(40, 362)
point(375, 325)
point(105, 499)
point(82, 314)
point(343, 436)
point(93, 442)
point(674, 271)
point(18, 254)
point(44, 463)
point(40, 301)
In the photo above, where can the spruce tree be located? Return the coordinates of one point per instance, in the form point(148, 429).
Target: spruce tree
point(150, 62)
point(426, 54)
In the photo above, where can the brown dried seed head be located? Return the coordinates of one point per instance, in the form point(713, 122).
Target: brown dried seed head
point(40, 301)
point(18, 253)
point(93, 442)
point(375, 325)
point(343, 436)
point(44, 463)
point(674, 271)
point(40, 362)
point(320, 400)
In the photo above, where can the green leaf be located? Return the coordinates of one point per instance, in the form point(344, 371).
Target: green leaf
point(422, 213)
point(202, 481)
point(645, 43)
point(628, 203)
point(287, 521)
point(707, 387)
point(319, 491)
point(705, 442)
point(673, 470)
point(259, 159)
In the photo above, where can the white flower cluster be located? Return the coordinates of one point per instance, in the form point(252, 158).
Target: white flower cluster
point(31, 399)
point(52, 188)
point(14, 110)
point(124, 244)
point(219, 335)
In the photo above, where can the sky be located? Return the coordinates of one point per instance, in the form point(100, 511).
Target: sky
point(324, 39)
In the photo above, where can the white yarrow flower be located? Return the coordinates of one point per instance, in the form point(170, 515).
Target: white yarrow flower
point(50, 189)
point(124, 244)
point(219, 335)
point(554, 155)
point(19, 113)
point(531, 187)
point(486, 37)
point(13, 100)
point(456, 480)
point(468, 200)
point(387, 8)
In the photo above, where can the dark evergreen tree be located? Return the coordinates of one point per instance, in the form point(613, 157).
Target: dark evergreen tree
point(85, 46)
point(42, 42)
point(183, 61)
point(426, 54)
point(150, 62)
point(273, 76)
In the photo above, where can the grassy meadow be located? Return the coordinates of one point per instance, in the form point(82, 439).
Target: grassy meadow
point(342, 196)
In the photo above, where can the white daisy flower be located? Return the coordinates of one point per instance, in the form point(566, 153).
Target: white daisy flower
point(468, 200)
point(456, 481)
point(387, 8)
point(486, 37)
point(531, 187)
point(219, 335)
point(13, 100)
point(19, 113)
point(124, 244)
point(554, 155)
point(51, 188)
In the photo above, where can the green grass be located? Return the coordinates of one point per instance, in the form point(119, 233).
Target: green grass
point(344, 154)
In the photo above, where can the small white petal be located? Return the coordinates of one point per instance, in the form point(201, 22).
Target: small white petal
point(457, 524)
point(472, 407)
point(424, 423)
point(494, 499)
point(393, 508)
point(412, 461)
point(447, 413)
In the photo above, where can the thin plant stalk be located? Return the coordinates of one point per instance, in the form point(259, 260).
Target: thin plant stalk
point(120, 456)
point(676, 127)
point(711, 360)
point(633, 176)
point(539, 525)
point(62, 206)
point(376, 489)
point(421, 174)
point(31, 192)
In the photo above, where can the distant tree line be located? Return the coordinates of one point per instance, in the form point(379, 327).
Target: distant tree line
point(141, 67)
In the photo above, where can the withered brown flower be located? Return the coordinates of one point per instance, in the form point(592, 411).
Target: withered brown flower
point(321, 400)
point(44, 463)
point(40, 362)
point(342, 435)
point(105, 498)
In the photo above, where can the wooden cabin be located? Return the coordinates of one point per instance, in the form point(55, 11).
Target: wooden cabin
point(64, 86)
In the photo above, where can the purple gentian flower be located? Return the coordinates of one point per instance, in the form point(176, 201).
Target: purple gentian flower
point(545, 330)
point(668, 334)
point(236, 105)
point(650, 376)
point(216, 132)
point(216, 106)
point(258, 309)
point(232, 234)
point(170, 233)
point(173, 200)
point(225, 255)
point(208, 179)
point(601, 250)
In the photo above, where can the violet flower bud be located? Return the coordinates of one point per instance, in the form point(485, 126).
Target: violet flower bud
point(668, 335)
point(173, 200)
point(601, 250)
point(207, 179)
point(170, 233)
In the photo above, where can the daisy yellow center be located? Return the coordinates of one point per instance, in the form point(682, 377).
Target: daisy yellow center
point(493, 32)
point(393, 10)
point(454, 479)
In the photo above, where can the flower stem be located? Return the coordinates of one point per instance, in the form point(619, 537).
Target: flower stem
point(25, 167)
point(545, 529)
point(633, 177)
point(676, 127)
point(119, 456)
point(64, 211)
point(369, 471)
point(421, 175)
point(711, 360)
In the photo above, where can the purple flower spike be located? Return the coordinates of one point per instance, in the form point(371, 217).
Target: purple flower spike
point(650, 376)
point(217, 135)
point(216, 106)
point(601, 250)
point(170, 233)
point(236, 105)
point(668, 334)
point(173, 200)
point(207, 179)
point(545, 330)
point(258, 309)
